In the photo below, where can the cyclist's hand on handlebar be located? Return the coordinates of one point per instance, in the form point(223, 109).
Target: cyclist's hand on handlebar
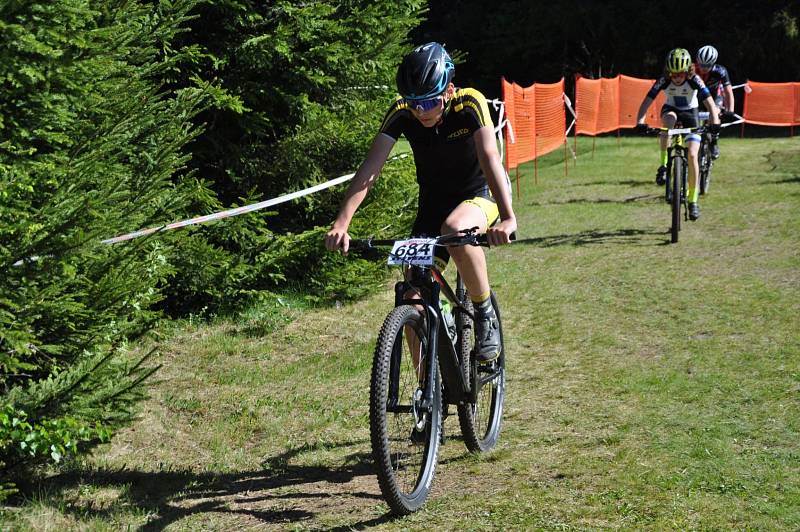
point(500, 233)
point(727, 116)
point(641, 128)
point(713, 129)
point(337, 239)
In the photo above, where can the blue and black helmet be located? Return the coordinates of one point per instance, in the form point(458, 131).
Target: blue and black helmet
point(425, 72)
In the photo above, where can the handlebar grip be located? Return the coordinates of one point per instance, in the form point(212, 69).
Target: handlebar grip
point(483, 240)
point(364, 249)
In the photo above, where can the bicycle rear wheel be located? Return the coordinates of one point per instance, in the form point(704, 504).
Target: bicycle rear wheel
point(480, 422)
point(706, 162)
point(677, 179)
point(405, 436)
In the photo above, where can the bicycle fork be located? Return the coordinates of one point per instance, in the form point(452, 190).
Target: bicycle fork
point(684, 185)
point(422, 400)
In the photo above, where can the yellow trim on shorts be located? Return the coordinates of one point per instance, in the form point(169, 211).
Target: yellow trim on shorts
point(487, 207)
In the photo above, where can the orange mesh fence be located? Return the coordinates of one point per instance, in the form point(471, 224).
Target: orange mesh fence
point(519, 104)
point(772, 104)
point(551, 129)
point(607, 104)
point(537, 119)
point(596, 105)
point(632, 92)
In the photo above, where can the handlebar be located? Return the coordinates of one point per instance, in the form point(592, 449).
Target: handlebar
point(465, 237)
point(700, 129)
point(675, 131)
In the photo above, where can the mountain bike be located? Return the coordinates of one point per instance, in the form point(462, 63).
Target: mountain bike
point(677, 173)
point(424, 362)
point(705, 162)
point(704, 158)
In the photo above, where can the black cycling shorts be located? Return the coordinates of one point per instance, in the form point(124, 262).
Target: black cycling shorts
point(432, 213)
point(686, 117)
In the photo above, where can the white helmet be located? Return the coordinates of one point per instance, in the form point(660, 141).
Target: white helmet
point(707, 56)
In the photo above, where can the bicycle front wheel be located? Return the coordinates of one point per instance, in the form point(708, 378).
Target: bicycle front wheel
point(405, 432)
point(480, 421)
point(677, 179)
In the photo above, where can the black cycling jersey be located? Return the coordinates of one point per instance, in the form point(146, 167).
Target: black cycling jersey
point(445, 155)
point(715, 79)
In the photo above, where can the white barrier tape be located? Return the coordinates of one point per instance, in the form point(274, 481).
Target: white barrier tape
point(705, 115)
point(225, 214)
point(364, 88)
point(239, 210)
point(738, 120)
point(232, 212)
point(503, 121)
point(500, 107)
point(568, 103)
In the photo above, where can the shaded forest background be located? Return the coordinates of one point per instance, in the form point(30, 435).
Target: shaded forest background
point(121, 114)
point(529, 42)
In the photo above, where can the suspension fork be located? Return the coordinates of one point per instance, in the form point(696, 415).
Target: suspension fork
point(428, 350)
point(431, 353)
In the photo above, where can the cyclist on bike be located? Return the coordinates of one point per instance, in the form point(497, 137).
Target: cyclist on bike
point(716, 78)
point(681, 86)
point(462, 182)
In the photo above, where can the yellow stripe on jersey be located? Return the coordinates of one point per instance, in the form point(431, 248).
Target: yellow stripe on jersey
point(474, 100)
point(399, 105)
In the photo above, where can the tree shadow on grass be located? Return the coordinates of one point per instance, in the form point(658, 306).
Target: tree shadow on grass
point(279, 493)
point(630, 199)
point(626, 183)
point(795, 179)
point(637, 237)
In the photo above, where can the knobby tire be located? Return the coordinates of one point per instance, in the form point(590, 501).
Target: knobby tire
point(677, 180)
point(480, 422)
point(405, 469)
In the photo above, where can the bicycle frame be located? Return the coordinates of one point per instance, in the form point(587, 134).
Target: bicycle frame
point(430, 283)
point(677, 148)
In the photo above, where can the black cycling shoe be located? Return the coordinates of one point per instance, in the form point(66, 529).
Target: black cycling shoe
point(694, 211)
point(661, 175)
point(418, 437)
point(487, 336)
point(714, 151)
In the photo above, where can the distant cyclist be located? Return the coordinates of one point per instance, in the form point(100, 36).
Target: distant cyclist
point(716, 78)
point(681, 86)
point(462, 183)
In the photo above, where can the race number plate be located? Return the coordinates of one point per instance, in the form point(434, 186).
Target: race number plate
point(416, 251)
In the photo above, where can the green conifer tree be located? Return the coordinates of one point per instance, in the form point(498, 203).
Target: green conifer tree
point(91, 146)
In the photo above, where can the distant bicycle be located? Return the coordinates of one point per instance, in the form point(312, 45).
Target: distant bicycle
point(704, 156)
point(424, 362)
point(705, 159)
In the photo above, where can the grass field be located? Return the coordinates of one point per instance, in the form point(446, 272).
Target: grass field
point(651, 386)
